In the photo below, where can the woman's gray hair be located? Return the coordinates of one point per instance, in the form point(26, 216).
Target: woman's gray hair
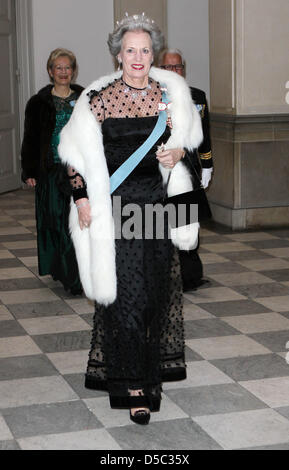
point(134, 23)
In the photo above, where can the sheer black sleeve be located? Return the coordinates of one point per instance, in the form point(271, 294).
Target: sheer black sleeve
point(78, 184)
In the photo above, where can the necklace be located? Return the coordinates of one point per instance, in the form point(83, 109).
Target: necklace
point(134, 92)
point(59, 96)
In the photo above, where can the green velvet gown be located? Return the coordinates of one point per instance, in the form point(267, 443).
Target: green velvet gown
point(56, 255)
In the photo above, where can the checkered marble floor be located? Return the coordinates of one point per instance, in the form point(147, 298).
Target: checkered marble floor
point(236, 395)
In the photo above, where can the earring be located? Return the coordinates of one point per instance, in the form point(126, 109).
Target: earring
point(119, 65)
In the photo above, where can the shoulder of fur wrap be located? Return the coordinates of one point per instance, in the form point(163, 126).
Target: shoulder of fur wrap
point(187, 127)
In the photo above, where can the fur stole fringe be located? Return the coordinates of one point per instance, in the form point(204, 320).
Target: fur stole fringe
point(81, 147)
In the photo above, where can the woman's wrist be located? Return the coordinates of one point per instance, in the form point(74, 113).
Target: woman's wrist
point(182, 153)
point(81, 203)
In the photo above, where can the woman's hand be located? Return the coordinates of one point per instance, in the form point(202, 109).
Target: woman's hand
point(169, 158)
point(31, 182)
point(84, 216)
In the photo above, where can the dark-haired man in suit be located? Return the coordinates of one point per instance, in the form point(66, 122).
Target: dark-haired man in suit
point(191, 265)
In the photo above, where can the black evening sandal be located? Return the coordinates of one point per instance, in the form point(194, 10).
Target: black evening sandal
point(140, 416)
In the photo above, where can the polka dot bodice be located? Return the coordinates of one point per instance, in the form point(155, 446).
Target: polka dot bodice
point(120, 100)
point(128, 116)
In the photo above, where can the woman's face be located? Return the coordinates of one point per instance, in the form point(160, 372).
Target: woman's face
point(136, 55)
point(61, 72)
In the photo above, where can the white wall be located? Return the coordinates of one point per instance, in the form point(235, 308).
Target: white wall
point(81, 26)
point(262, 37)
point(188, 30)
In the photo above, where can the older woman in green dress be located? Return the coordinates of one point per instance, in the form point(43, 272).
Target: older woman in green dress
point(46, 114)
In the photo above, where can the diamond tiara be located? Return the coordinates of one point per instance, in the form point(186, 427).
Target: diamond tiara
point(137, 18)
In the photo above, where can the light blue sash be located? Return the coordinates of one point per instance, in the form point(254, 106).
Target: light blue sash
point(131, 163)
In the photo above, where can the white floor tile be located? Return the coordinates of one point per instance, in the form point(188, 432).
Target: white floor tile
point(278, 252)
point(71, 362)
point(55, 324)
point(251, 236)
point(15, 273)
point(200, 373)
point(276, 303)
point(6, 254)
point(194, 312)
point(209, 258)
point(24, 392)
point(214, 294)
point(226, 346)
point(18, 346)
point(258, 323)
point(265, 264)
point(5, 314)
point(226, 247)
point(95, 439)
point(5, 433)
point(20, 244)
point(27, 296)
point(112, 418)
point(29, 261)
point(81, 306)
point(274, 392)
point(241, 279)
point(19, 230)
point(246, 429)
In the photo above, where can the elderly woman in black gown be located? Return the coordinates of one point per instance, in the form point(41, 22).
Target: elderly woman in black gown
point(138, 335)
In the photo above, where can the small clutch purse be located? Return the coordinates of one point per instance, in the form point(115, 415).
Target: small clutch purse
point(187, 202)
point(196, 197)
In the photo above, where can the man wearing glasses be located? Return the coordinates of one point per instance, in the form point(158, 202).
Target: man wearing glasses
point(191, 265)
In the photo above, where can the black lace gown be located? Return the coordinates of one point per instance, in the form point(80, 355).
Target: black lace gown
point(138, 341)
